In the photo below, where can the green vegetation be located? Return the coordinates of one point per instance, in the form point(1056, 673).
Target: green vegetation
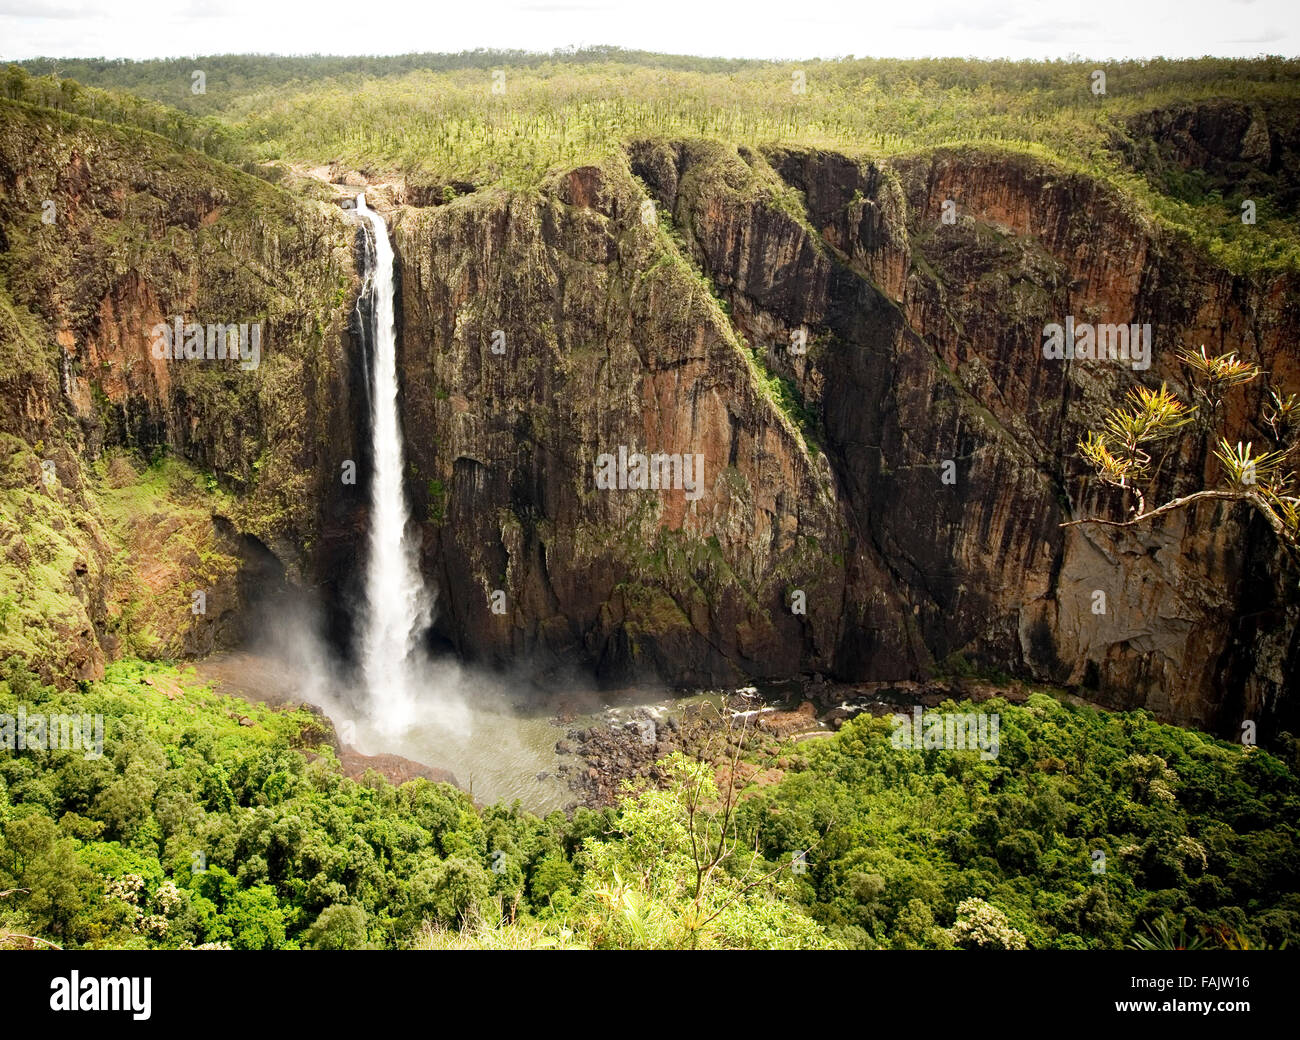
point(1188, 827)
point(785, 395)
point(159, 521)
point(141, 537)
point(213, 821)
point(435, 118)
point(49, 529)
point(437, 500)
point(67, 95)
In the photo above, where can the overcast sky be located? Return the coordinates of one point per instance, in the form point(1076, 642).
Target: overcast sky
point(728, 28)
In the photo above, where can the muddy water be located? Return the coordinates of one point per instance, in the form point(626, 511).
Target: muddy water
point(505, 755)
point(500, 748)
point(502, 756)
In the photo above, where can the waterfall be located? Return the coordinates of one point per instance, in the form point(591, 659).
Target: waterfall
point(398, 607)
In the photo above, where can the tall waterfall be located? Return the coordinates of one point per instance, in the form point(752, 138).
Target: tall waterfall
point(398, 606)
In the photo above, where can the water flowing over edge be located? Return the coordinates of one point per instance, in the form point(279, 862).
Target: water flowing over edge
point(398, 607)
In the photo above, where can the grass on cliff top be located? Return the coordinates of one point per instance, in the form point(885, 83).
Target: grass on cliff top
point(435, 118)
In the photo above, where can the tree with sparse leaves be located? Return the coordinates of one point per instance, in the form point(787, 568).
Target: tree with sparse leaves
point(1265, 479)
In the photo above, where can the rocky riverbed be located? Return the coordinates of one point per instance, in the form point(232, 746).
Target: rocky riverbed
point(629, 744)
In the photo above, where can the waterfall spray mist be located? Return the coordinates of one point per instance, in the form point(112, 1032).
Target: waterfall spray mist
point(398, 606)
point(397, 699)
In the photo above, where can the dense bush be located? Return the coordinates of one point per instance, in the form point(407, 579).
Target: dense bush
point(1087, 828)
point(212, 821)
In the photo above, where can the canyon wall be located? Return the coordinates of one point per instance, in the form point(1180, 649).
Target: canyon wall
point(611, 339)
point(131, 482)
point(887, 457)
point(908, 474)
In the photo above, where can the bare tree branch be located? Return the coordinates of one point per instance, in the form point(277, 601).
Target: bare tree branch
point(1222, 494)
point(6, 936)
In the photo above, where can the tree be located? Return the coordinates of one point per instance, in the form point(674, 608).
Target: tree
point(51, 885)
point(341, 926)
point(552, 876)
point(15, 82)
point(1265, 480)
point(460, 888)
point(674, 875)
point(256, 919)
point(981, 925)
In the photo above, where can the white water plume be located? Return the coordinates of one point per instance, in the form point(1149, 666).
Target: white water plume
point(398, 607)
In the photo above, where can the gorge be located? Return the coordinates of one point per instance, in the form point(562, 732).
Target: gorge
point(617, 454)
point(823, 469)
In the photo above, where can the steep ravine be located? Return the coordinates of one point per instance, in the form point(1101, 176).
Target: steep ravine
point(924, 347)
point(540, 329)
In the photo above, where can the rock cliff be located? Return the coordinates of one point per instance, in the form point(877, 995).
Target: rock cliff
point(133, 482)
point(834, 367)
point(826, 468)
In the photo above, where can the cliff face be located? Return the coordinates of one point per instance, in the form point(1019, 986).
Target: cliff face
point(836, 368)
point(104, 234)
point(908, 473)
point(1194, 626)
point(1237, 149)
point(612, 341)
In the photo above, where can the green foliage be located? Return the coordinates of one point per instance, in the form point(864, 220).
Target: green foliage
point(339, 927)
point(203, 824)
point(1264, 479)
point(1118, 454)
point(786, 396)
point(46, 534)
point(653, 885)
point(935, 848)
point(206, 135)
point(1164, 934)
point(198, 829)
point(435, 118)
point(437, 500)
